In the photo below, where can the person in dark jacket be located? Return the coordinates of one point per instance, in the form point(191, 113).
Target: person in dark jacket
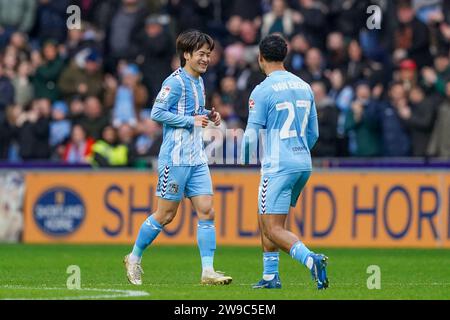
point(47, 75)
point(313, 22)
point(6, 91)
point(411, 38)
point(327, 116)
point(155, 46)
point(420, 118)
point(125, 25)
point(6, 134)
point(94, 119)
point(51, 20)
point(33, 131)
point(361, 123)
point(396, 141)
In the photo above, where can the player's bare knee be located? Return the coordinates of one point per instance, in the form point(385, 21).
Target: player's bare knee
point(270, 231)
point(166, 216)
point(207, 214)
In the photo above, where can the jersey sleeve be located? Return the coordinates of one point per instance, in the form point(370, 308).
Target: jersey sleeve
point(312, 133)
point(168, 99)
point(257, 108)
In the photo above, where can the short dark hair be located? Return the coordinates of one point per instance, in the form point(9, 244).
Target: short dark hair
point(190, 41)
point(273, 48)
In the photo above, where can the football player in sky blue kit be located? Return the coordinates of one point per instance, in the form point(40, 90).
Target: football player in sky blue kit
point(282, 107)
point(182, 165)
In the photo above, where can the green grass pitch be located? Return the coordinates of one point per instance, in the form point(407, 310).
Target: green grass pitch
point(173, 272)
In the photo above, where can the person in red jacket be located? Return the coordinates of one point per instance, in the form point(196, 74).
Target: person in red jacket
point(79, 148)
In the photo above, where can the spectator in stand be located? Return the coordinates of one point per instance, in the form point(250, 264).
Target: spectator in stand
point(280, 19)
point(435, 79)
point(76, 110)
point(23, 88)
point(342, 94)
point(84, 76)
point(47, 74)
point(439, 145)
point(107, 152)
point(232, 99)
point(411, 37)
point(149, 137)
point(395, 137)
point(126, 137)
point(94, 119)
point(155, 46)
point(17, 15)
point(420, 119)
point(337, 51)
point(314, 67)
point(327, 117)
point(216, 69)
point(407, 74)
point(357, 64)
point(312, 23)
point(233, 27)
point(52, 20)
point(60, 127)
point(295, 59)
point(6, 135)
point(361, 123)
point(348, 16)
point(33, 131)
point(128, 99)
point(79, 149)
point(6, 91)
point(125, 26)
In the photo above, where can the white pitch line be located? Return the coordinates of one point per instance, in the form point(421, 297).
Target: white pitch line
point(114, 293)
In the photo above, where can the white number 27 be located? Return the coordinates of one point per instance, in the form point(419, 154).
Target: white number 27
point(285, 132)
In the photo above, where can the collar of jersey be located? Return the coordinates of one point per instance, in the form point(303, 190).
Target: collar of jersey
point(191, 77)
point(276, 72)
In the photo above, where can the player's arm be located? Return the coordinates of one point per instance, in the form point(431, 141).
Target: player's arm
point(312, 130)
point(250, 142)
point(169, 96)
point(257, 116)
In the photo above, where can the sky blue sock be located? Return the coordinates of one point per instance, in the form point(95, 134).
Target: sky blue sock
point(300, 253)
point(206, 240)
point(270, 263)
point(148, 232)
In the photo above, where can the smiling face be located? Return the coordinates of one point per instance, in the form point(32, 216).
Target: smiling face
point(199, 60)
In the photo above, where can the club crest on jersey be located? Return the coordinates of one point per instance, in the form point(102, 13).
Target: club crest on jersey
point(173, 188)
point(251, 103)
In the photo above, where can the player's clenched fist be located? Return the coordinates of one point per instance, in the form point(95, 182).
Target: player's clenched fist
point(201, 121)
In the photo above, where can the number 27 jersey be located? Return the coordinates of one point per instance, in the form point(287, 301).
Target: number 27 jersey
point(284, 105)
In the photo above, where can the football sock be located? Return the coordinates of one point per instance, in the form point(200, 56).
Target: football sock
point(301, 253)
point(206, 240)
point(148, 232)
point(270, 263)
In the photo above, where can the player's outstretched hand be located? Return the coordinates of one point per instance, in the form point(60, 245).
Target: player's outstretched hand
point(201, 121)
point(215, 117)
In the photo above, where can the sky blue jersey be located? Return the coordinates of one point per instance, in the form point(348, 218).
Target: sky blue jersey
point(182, 96)
point(283, 104)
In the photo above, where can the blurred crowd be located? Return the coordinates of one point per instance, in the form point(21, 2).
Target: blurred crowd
point(85, 95)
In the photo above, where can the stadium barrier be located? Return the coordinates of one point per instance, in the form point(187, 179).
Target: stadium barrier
point(375, 208)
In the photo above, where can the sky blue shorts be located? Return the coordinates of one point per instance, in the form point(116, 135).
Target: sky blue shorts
point(174, 182)
point(278, 193)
